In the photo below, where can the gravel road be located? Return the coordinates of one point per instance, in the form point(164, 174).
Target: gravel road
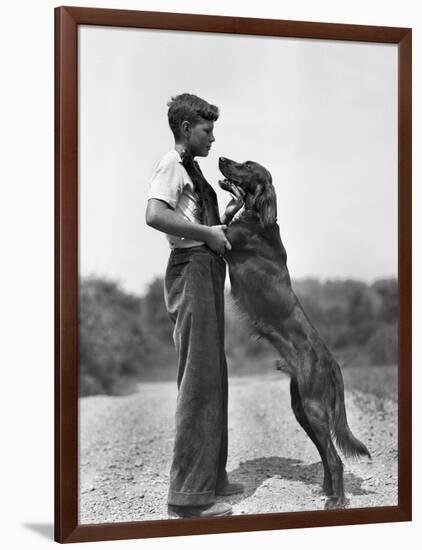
point(125, 446)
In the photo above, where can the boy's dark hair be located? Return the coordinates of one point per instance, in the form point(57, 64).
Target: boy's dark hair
point(191, 108)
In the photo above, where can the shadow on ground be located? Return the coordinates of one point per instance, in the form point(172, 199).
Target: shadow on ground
point(252, 473)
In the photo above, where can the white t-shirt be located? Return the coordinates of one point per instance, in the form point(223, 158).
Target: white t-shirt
point(172, 184)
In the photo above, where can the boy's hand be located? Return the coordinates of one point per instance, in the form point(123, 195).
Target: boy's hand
point(217, 239)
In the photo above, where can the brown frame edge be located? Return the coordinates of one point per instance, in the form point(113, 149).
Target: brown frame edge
point(66, 528)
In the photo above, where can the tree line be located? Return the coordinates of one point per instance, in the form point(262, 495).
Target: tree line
point(125, 337)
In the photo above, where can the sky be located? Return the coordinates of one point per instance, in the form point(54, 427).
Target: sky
point(320, 115)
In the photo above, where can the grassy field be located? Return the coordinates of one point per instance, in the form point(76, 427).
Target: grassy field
point(380, 381)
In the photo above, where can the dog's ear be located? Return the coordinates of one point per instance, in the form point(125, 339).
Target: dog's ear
point(264, 201)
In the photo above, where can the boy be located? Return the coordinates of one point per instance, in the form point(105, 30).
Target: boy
point(194, 297)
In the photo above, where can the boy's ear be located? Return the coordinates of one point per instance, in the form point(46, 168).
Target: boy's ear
point(185, 126)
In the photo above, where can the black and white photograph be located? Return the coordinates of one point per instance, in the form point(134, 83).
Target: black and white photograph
point(237, 274)
point(210, 235)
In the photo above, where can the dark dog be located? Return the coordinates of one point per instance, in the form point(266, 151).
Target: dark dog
point(261, 287)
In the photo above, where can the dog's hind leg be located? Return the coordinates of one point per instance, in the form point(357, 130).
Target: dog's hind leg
point(311, 413)
point(301, 417)
point(318, 419)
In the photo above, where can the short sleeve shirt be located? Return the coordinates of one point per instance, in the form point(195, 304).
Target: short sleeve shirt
point(172, 184)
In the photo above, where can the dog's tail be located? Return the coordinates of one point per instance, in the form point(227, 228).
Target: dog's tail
point(346, 441)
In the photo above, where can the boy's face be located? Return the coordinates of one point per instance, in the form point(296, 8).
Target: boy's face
point(200, 137)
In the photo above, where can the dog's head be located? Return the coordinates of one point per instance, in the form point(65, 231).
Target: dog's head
point(256, 183)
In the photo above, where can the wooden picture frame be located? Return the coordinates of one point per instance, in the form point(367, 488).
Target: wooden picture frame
point(67, 20)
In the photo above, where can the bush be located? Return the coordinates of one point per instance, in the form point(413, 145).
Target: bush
point(112, 342)
point(382, 346)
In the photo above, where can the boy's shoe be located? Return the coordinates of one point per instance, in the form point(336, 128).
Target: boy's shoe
point(216, 509)
point(230, 489)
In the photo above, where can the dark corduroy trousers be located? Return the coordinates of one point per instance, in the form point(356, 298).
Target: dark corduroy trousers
point(194, 296)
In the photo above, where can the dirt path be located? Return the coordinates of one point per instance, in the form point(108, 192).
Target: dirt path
point(126, 443)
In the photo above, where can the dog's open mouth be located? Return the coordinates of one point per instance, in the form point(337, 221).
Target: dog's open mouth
point(232, 186)
point(225, 184)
